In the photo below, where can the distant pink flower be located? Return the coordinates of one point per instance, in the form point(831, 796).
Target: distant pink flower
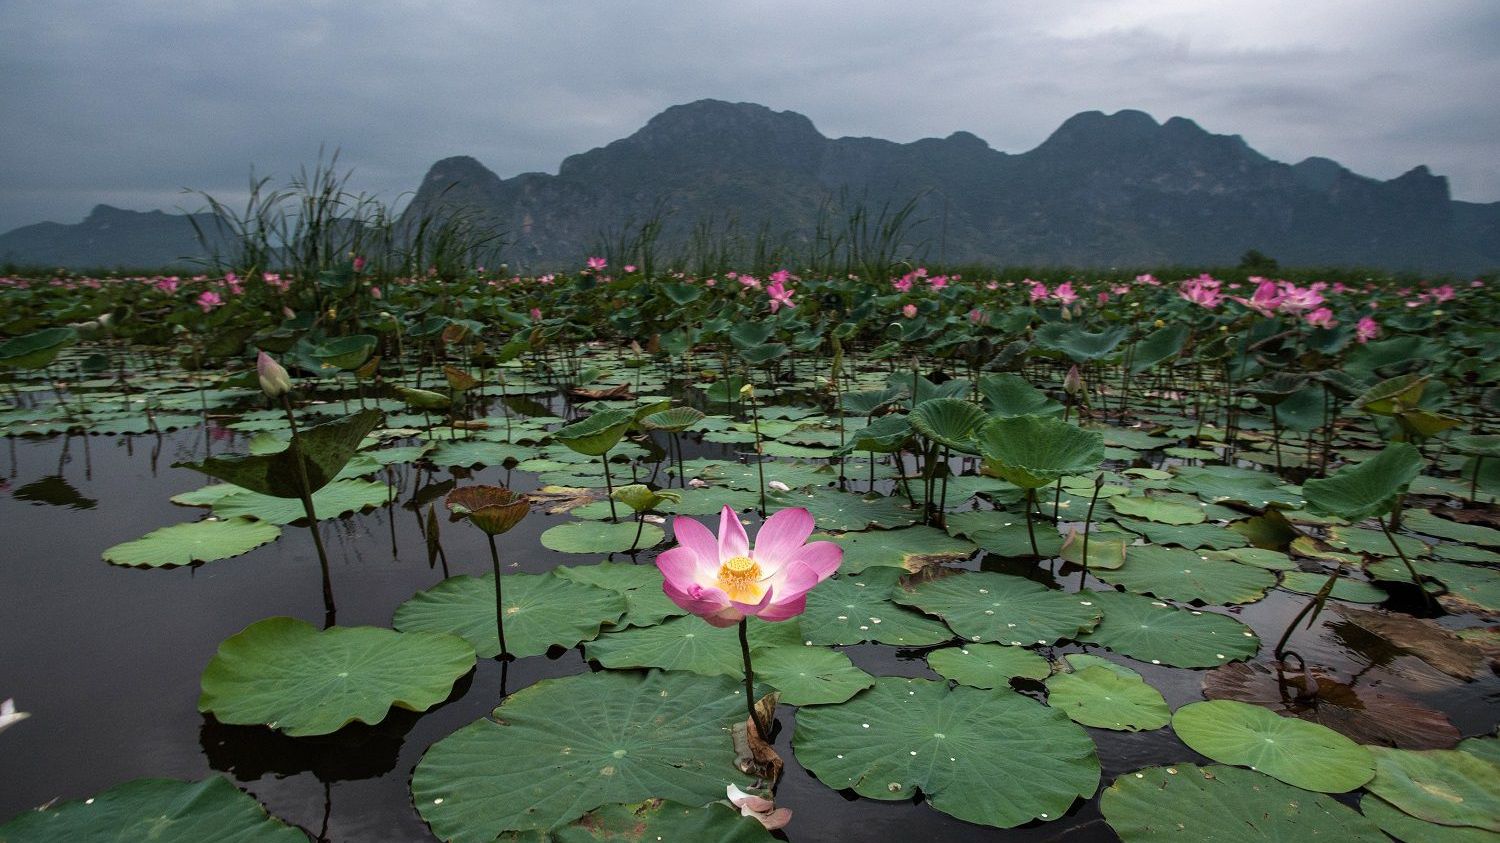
point(750, 281)
point(1064, 293)
point(536, 314)
point(710, 282)
point(1265, 300)
point(1147, 279)
point(167, 285)
point(375, 293)
point(992, 285)
point(780, 295)
point(724, 580)
point(1102, 298)
point(1296, 299)
point(630, 267)
point(909, 311)
point(1321, 318)
point(208, 300)
point(359, 263)
point(938, 282)
point(1038, 289)
point(596, 264)
point(976, 316)
point(903, 284)
point(1443, 293)
point(780, 276)
point(1366, 329)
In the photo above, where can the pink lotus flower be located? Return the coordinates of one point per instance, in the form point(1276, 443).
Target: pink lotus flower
point(1038, 289)
point(1443, 293)
point(1265, 300)
point(724, 580)
point(938, 282)
point(976, 316)
point(1202, 291)
point(1366, 329)
point(780, 295)
point(359, 263)
point(630, 267)
point(1296, 299)
point(596, 263)
point(1321, 318)
point(1064, 293)
point(208, 300)
point(536, 314)
point(909, 311)
point(903, 284)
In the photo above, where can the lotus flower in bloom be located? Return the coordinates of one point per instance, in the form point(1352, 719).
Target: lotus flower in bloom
point(1064, 293)
point(1265, 300)
point(1321, 318)
point(780, 295)
point(597, 264)
point(723, 580)
point(1366, 329)
point(909, 311)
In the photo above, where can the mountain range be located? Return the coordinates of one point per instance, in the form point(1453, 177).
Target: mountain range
point(1104, 190)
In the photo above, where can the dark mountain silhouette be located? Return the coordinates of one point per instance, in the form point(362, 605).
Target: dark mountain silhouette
point(107, 237)
point(1118, 190)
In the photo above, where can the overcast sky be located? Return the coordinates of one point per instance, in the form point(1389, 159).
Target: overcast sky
point(127, 102)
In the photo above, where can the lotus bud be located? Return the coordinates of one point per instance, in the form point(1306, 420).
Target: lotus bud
point(274, 380)
point(747, 391)
point(1073, 383)
point(1160, 323)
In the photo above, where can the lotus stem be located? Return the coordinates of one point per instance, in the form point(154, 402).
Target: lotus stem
point(609, 488)
point(1280, 651)
point(305, 493)
point(749, 678)
point(499, 600)
point(1031, 533)
point(1410, 569)
point(1088, 520)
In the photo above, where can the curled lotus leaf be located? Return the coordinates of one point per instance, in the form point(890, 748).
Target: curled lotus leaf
point(1033, 451)
point(493, 509)
point(1368, 489)
point(595, 435)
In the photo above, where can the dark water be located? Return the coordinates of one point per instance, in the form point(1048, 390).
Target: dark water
point(107, 659)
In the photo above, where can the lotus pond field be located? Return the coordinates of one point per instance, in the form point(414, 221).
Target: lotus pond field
point(618, 555)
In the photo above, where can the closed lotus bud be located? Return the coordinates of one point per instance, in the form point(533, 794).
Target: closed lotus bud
point(1160, 323)
point(1073, 383)
point(274, 381)
point(747, 391)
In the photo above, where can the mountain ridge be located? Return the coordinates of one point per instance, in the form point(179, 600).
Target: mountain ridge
point(1102, 190)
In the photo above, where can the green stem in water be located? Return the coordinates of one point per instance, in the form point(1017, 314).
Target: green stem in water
point(749, 678)
point(499, 601)
point(304, 491)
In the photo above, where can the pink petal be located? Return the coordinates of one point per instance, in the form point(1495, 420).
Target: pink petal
point(755, 608)
point(732, 539)
point(680, 566)
point(700, 601)
point(776, 819)
point(781, 535)
point(822, 557)
point(697, 538)
point(784, 611)
point(728, 616)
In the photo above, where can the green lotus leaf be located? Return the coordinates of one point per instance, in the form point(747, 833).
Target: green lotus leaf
point(1393, 395)
point(1156, 347)
point(653, 819)
point(1006, 609)
point(909, 549)
point(835, 510)
point(424, 399)
point(1009, 394)
point(1357, 492)
point(1077, 343)
point(286, 674)
point(1354, 591)
point(850, 609)
point(1032, 451)
point(950, 422)
point(563, 747)
point(867, 403)
point(1428, 524)
point(600, 537)
point(1300, 753)
point(326, 448)
point(1152, 631)
point(689, 644)
point(1186, 575)
point(595, 435)
point(37, 349)
point(1190, 536)
point(347, 353)
point(196, 541)
point(332, 501)
point(674, 420)
point(542, 611)
point(468, 453)
point(987, 665)
point(1107, 551)
point(1408, 829)
point(1106, 696)
point(159, 810)
point(885, 435)
point(642, 498)
point(641, 586)
point(1228, 804)
point(1157, 509)
point(906, 736)
point(1443, 786)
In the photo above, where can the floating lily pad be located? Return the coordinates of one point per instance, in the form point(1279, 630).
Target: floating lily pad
point(474, 452)
point(159, 810)
point(653, 819)
point(909, 549)
point(689, 644)
point(1033, 451)
point(1300, 753)
point(1354, 591)
point(542, 611)
point(196, 541)
point(1106, 696)
point(1409, 829)
point(335, 500)
point(1158, 510)
point(1422, 521)
point(1107, 551)
point(1192, 536)
point(326, 448)
point(1443, 786)
point(640, 585)
point(1188, 575)
point(563, 747)
point(984, 606)
point(286, 674)
point(1225, 804)
point(600, 537)
point(987, 665)
point(835, 510)
point(1152, 631)
point(852, 609)
point(909, 735)
point(809, 675)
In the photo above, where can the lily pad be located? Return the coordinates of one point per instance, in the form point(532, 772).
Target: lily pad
point(600, 537)
point(835, 510)
point(1033, 451)
point(286, 674)
point(1158, 510)
point(987, 665)
point(909, 549)
point(326, 448)
point(1409, 829)
point(653, 819)
point(1152, 631)
point(1443, 786)
point(159, 810)
point(984, 606)
point(1106, 696)
point(853, 609)
point(196, 541)
point(563, 747)
point(909, 735)
point(1188, 575)
point(1225, 805)
point(1354, 591)
point(542, 611)
point(335, 500)
point(1368, 489)
point(1300, 753)
point(640, 585)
